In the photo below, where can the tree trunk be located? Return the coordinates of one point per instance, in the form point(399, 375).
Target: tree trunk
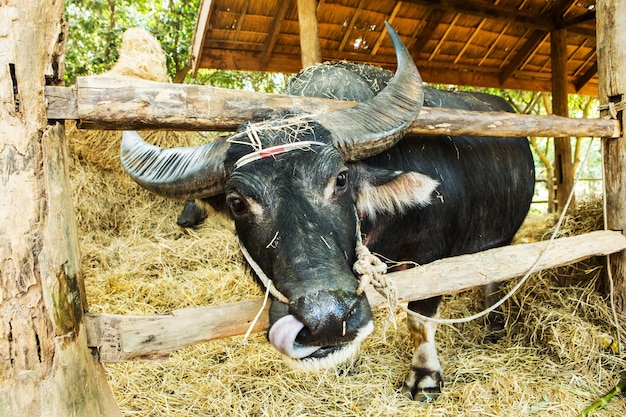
point(46, 368)
point(611, 38)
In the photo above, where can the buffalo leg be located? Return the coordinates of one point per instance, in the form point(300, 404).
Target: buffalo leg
point(424, 381)
point(494, 328)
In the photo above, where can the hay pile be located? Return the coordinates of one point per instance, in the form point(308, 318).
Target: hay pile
point(136, 260)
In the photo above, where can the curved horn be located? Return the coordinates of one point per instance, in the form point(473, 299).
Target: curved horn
point(193, 172)
point(379, 123)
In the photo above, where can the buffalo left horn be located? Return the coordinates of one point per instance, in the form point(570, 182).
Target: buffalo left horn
point(379, 123)
point(181, 173)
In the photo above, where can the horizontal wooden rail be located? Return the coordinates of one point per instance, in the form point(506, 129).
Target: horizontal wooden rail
point(122, 338)
point(121, 103)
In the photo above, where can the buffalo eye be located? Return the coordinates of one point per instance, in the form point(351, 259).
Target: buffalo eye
point(341, 182)
point(237, 205)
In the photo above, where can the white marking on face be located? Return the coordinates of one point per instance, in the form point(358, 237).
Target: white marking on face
point(256, 209)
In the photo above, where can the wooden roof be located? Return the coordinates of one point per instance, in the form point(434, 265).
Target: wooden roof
point(487, 43)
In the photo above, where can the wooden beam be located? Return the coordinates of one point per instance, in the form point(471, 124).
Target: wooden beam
point(469, 41)
point(309, 33)
point(199, 34)
point(588, 75)
point(443, 37)
point(242, 16)
point(559, 8)
point(121, 338)
point(349, 28)
point(268, 46)
point(434, 18)
point(383, 32)
point(563, 164)
point(533, 41)
point(488, 11)
point(611, 27)
point(286, 59)
point(129, 103)
point(483, 10)
point(583, 18)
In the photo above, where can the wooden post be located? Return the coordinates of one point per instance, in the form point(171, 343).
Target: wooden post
point(46, 368)
point(563, 166)
point(309, 33)
point(611, 38)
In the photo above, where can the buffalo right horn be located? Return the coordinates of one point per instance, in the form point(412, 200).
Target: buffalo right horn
point(379, 123)
point(182, 173)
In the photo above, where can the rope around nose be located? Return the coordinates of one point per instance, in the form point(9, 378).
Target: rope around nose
point(371, 270)
point(267, 282)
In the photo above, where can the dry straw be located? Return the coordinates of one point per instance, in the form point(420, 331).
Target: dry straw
point(136, 260)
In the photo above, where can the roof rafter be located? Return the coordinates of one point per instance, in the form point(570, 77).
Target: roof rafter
point(497, 12)
point(501, 43)
point(268, 46)
point(434, 18)
point(534, 40)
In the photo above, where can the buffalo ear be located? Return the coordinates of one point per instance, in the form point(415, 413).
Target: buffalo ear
point(382, 191)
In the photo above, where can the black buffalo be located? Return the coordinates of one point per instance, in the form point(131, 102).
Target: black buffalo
point(297, 186)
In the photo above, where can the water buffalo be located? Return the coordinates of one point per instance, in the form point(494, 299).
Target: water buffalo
point(297, 186)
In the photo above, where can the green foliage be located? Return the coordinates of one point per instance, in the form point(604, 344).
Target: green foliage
point(95, 35)
point(241, 80)
point(95, 29)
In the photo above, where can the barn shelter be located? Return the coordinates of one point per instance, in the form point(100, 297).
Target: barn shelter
point(534, 45)
point(500, 44)
point(51, 349)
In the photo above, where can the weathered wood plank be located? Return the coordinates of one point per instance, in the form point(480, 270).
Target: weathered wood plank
point(61, 103)
point(120, 103)
point(121, 338)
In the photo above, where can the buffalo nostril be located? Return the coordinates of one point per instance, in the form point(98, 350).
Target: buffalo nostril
point(327, 316)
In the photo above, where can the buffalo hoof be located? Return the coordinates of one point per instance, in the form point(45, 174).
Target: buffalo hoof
point(426, 395)
point(425, 389)
point(494, 329)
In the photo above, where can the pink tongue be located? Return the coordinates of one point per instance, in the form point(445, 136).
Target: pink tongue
point(283, 336)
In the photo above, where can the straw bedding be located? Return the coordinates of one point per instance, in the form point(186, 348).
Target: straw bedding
point(136, 260)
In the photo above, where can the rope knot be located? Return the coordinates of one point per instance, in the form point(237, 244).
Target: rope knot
point(369, 268)
point(372, 270)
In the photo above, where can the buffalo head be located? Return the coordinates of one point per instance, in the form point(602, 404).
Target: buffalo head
point(294, 187)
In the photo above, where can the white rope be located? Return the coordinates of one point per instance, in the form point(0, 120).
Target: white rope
point(267, 282)
point(269, 288)
point(258, 314)
point(372, 270)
